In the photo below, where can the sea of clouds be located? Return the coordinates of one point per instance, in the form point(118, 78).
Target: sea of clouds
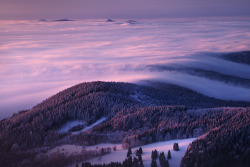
point(41, 58)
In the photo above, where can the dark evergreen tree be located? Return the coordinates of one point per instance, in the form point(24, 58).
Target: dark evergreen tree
point(140, 150)
point(169, 154)
point(139, 158)
point(129, 152)
point(140, 161)
point(167, 163)
point(154, 163)
point(102, 151)
point(135, 162)
point(130, 161)
point(125, 163)
point(162, 159)
point(176, 147)
point(86, 164)
point(138, 153)
point(156, 154)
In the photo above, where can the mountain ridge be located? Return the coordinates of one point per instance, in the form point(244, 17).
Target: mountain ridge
point(154, 112)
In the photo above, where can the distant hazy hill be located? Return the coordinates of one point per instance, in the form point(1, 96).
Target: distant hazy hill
point(239, 57)
point(136, 114)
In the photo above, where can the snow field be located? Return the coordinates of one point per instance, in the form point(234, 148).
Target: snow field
point(120, 154)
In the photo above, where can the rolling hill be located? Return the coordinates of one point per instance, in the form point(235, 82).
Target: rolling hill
point(134, 115)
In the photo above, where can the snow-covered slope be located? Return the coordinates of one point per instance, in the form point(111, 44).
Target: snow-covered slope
point(120, 154)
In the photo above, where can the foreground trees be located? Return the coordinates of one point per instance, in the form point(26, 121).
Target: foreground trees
point(128, 162)
point(163, 160)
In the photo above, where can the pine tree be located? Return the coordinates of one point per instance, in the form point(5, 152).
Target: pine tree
point(138, 153)
point(162, 159)
point(141, 164)
point(135, 162)
point(154, 163)
point(152, 155)
point(166, 163)
point(139, 158)
point(169, 154)
point(102, 151)
point(156, 154)
point(129, 152)
point(140, 150)
point(130, 161)
point(140, 161)
point(176, 147)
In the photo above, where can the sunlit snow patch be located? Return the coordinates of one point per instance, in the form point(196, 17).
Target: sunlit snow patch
point(69, 125)
point(94, 124)
point(79, 126)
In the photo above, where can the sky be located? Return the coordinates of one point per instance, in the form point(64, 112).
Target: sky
point(87, 9)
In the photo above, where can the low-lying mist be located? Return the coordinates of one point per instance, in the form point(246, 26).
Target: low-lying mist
point(39, 59)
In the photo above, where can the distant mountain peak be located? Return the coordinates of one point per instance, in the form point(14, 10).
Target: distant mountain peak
point(63, 20)
point(110, 20)
point(131, 21)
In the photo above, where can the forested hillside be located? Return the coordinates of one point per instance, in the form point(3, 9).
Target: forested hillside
point(89, 102)
point(227, 145)
point(136, 115)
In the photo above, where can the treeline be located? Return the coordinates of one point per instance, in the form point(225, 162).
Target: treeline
point(128, 162)
point(152, 124)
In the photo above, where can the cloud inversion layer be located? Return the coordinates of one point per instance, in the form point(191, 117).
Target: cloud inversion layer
point(39, 59)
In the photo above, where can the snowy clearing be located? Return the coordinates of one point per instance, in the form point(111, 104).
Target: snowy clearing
point(94, 124)
point(120, 154)
point(65, 128)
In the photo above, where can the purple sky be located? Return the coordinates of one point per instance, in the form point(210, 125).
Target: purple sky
point(52, 9)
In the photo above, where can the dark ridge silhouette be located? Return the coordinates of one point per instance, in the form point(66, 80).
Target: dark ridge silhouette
point(110, 20)
point(43, 20)
point(62, 20)
point(210, 74)
point(132, 21)
point(238, 57)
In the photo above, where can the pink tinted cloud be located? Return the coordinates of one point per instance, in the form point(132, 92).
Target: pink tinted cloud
point(49, 53)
